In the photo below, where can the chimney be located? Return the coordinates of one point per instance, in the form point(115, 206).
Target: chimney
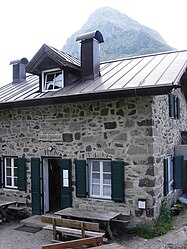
point(19, 73)
point(90, 56)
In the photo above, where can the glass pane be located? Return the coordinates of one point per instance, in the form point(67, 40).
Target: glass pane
point(107, 191)
point(8, 171)
point(15, 162)
point(171, 172)
point(49, 77)
point(8, 181)
point(49, 86)
point(15, 182)
point(58, 80)
point(95, 178)
point(106, 167)
point(8, 161)
point(16, 171)
point(106, 178)
point(96, 166)
point(95, 189)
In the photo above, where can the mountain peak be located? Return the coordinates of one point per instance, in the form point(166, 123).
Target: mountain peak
point(123, 36)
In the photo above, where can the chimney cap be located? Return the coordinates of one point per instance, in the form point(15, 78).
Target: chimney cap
point(21, 61)
point(90, 35)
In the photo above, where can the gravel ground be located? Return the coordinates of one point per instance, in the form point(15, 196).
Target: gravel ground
point(174, 239)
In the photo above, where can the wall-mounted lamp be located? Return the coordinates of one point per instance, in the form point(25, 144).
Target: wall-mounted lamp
point(50, 148)
point(142, 203)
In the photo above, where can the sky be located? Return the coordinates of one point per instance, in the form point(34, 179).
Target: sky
point(26, 25)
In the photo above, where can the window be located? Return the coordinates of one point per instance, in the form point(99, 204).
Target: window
point(100, 179)
point(174, 106)
point(173, 173)
point(11, 172)
point(52, 79)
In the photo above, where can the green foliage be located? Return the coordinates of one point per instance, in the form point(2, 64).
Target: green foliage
point(161, 226)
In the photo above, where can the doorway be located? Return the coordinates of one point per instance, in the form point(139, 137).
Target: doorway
point(51, 185)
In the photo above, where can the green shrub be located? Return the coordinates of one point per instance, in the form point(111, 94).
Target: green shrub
point(161, 226)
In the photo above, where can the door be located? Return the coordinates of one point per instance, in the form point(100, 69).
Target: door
point(66, 183)
point(51, 185)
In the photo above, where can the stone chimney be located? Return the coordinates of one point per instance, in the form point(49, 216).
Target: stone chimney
point(90, 55)
point(19, 73)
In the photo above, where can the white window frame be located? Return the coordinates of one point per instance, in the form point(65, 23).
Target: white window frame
point(170, 179)
point(12, 176)
point(101, 183)
point(51, 71)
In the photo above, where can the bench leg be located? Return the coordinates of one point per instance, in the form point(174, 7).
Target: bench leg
point(108, 229)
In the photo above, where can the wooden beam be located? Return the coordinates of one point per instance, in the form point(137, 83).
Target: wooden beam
point(75, 243)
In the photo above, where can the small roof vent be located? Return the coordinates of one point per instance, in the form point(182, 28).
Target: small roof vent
point(90, 55)
point(90, 35)
point(19, 73)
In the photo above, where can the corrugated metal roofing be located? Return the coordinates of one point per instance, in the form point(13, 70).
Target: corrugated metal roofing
point(69, 58)
point(142, 72)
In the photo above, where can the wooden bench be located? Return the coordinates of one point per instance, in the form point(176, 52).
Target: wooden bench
point(74, 228)
point(18, 209)
point(75, 243)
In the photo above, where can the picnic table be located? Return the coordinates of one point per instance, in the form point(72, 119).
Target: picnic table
point(103, 217)
point(4, 209)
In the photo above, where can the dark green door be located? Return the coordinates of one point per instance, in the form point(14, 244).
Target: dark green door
point(35, 185)
point(66, 183)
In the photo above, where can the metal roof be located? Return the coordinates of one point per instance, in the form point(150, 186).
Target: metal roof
point(61, 58)
point(150, 74)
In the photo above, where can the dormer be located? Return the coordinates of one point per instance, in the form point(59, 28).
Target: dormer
point(55, 68)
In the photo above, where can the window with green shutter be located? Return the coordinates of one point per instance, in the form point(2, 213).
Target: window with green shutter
point(35, 185)
point(166, 190)
point(102, 178)
point(178, 171)
point(1, 180)
point(80, 174)
point(174, 106)
point(22, 180)
point(66, 183)
point(118, 181)
point(10, 172)
point(168, 175)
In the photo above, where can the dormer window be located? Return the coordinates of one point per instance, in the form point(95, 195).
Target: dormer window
point(52, 79)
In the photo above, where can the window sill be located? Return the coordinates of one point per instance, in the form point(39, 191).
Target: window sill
point(10, 189)
point(98, 199)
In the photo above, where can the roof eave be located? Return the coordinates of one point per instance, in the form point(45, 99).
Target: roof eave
point(90, 96)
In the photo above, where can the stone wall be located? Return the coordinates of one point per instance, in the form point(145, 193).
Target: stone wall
point(117, 129)
point(166, 134)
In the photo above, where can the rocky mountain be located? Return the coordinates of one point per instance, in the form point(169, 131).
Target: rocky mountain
point(123, 36)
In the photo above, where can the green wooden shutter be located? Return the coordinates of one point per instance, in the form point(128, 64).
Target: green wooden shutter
point(66, 186)
point(178, 171)
point(1, 180)
point(166, 187)
point(80, 173)
point(22, 181)
point(177, 107)
point(35, 185)
point(171, 105)
point(117, 176)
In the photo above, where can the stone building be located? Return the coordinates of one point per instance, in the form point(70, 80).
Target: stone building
point(94, 135)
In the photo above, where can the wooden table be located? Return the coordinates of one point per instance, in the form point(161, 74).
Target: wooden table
point(102, 217)
point(4, 208)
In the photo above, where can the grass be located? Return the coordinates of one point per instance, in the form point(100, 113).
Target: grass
point(161, 226)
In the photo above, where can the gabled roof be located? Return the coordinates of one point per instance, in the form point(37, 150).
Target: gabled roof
point(60, 58)
point(143, 75)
